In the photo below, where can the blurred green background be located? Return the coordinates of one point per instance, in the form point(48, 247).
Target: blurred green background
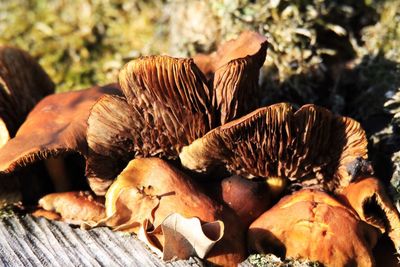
point(341, 54)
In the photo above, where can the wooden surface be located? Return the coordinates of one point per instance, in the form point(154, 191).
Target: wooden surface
point(29, 241)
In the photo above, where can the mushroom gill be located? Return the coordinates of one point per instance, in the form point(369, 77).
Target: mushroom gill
point(371, 202)
point(168, 104)
point(311, 146)
point(23, 83)
point(233, 71)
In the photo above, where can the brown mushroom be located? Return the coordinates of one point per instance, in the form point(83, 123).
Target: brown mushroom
point(313, 225)
point(151, 189)
point(55, 127)
point(311, 146)
point(168, 104)
point(72, 207)
point(166, 107)
point(248, 198)
point(22, 84)
point(233, 70)
point(369, 199)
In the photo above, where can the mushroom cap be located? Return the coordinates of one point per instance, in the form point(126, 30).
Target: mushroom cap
point(233, 71)
point(310, 145)
point(23, 83)
point(313, 225)
point(72, 207)
point(168, 104)
point(369, 199)
point(166, 107)
point(56, 125)
point(248, 198)
point(151, 189)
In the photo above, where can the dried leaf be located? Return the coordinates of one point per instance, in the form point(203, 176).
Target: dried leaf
point(149, 190)
point(184, 237)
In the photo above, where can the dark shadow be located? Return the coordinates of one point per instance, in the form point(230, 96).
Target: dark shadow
point(263, 241)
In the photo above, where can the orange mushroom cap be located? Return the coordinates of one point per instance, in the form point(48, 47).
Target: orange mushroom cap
point(151, 189)
point(369, 199)
point(57, 125)
point(313, 225)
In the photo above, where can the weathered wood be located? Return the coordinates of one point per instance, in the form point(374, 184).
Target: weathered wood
point(29, 241)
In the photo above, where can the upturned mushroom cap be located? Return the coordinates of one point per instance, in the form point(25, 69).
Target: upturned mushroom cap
point(151, 189)
point(233, 71)
point(23, 83)
point(57, 125)
point(313, 225)
point(311, 146)
point(168, 104)
point(371, 202)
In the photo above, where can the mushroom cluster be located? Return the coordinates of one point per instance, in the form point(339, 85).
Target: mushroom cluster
point(180, 153)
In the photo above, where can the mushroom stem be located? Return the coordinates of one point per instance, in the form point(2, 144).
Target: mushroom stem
point(58, 174)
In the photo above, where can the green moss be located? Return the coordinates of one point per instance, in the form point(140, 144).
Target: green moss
point(81, 43)
point(306, 38)
point(260, 260)
point(7, 211)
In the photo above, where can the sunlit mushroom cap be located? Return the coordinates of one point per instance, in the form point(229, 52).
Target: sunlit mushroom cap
point(313, 225)
point(168, 104)
point(369, 199)
point(57, 125)
point(310, 146)
point(233, 67)
point(150, 189)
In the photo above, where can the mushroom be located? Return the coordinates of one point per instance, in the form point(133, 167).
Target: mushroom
point(168, 104)
point(248, 198)
point(311, 224)
point(55, 127)
point(23, 83)
point(310, 146)
point(150, 189)
point(369, 199)
point(72, 207)
point(233, 72)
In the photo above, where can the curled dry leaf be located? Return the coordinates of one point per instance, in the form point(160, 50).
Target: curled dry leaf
point(149, 190)
point(55, 127)
point(313, 225)
point(183, 237)
point(311, 146)
point(23, 83)
point(370, 200)
point(72, 207)
point(168, 104)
